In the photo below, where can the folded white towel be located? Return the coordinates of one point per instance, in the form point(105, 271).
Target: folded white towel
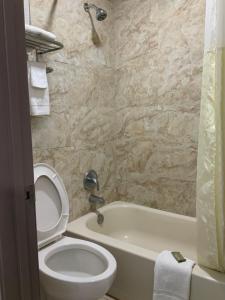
point(38, 89)
point(40, 32)
point(38, 75)
point(172, 280)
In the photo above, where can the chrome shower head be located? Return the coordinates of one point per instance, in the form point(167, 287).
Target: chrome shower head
point(101, 14)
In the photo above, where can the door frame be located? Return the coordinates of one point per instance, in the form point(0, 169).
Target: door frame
point(19, 274)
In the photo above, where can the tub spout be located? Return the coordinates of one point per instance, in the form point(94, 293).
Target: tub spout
point(100, 217)
point(94, 200)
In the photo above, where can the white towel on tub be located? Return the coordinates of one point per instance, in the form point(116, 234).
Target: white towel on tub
point(172, 280)
point(38, 89)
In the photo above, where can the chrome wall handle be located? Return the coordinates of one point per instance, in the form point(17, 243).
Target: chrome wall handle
point(90, 181)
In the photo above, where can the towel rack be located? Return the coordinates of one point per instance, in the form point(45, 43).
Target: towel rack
point(41, 45)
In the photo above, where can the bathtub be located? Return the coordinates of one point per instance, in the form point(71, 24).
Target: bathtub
point(135, 235)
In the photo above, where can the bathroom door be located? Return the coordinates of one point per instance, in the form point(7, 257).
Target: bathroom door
point(18, 245)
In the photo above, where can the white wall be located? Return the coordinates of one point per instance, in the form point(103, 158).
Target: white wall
point(26, 13)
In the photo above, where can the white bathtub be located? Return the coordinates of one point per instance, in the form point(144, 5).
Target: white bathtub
point(135, 235)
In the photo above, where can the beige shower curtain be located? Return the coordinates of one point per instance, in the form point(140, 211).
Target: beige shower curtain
point(211, 154)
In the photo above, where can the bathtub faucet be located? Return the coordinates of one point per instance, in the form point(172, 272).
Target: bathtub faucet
point(94, 200)
point(91, 184)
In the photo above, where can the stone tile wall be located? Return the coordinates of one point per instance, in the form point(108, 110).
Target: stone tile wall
point(158, 65)
point(129, 108)
point(78, 134)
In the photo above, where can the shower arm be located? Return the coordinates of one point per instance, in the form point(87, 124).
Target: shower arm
point(87, 7)
point(92, 22)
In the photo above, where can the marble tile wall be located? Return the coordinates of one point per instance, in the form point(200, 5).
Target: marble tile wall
point(78, 134)
point(158, 64)
point(128, 108)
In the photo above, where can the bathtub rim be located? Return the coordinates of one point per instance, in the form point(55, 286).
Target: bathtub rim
point(79, 228)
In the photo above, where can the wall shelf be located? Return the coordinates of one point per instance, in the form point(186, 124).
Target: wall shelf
point(41, 45)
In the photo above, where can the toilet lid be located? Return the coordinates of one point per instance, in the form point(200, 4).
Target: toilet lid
point(52, 204)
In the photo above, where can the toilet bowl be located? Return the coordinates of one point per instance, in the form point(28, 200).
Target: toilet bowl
point(70, 269)
point(75, 269)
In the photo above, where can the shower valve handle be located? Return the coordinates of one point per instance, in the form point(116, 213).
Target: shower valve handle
point(90, 181)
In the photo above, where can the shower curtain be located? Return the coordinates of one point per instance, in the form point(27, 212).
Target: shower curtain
point(211, 153)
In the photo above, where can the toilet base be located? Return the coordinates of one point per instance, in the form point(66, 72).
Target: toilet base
point(44, 296)
point(53, 298)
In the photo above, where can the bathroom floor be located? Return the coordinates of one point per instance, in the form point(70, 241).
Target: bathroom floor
point(107, 298)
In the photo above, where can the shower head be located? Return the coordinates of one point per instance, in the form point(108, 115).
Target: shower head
point(101, 14)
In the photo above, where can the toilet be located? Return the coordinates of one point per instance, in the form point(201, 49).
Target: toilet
point(70, 269)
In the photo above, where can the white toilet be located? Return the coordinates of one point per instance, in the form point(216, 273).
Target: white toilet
point(70, 269)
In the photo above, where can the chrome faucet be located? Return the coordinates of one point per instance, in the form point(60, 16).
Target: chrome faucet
point(94, 200)
point(90, 184)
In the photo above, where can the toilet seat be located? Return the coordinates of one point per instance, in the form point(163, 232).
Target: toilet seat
point(102, 262)
point(52, 204)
